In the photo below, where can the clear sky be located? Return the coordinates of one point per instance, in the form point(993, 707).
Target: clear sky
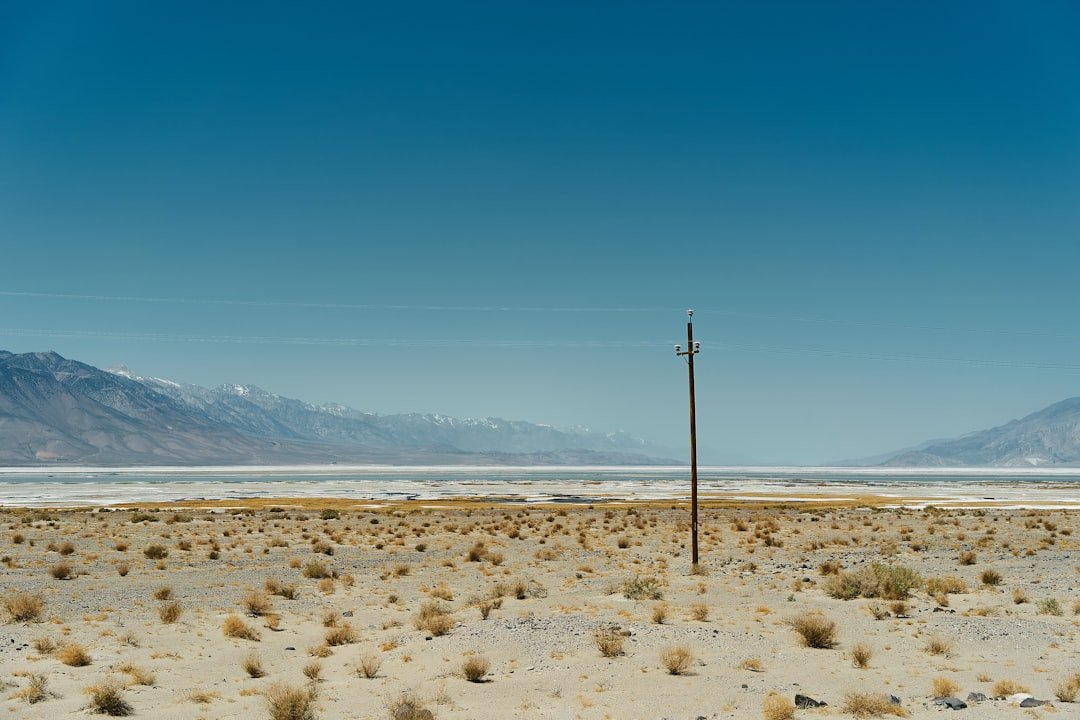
point(504, 208)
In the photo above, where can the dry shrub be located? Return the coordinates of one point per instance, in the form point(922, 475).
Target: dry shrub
point(138, 675)
point(943, 687)
point(73, 654)
point(61, 571)
point(313, 671)
point(434, 618)
point(990, 577)
point(235, 627)
point(860, 655)
point(1068, 689)
point(156, 552)
point(107, 698)
point(343, 635)
point(938, 645)
point(659, 613)
point(777, 707)
point(442, 591)
point(867, 704)
point(288, 702)
point(203, 697)
point(170, 612)
point(407, 707)
point(163, 593)
point(642, 588)
point(889, 582)
point(256, 603)
point(948, 585)
point(967, 557)
point(368, 665)
point(753, 664)
point(1019, 596)
point(609, 641)
point(699, 612)
point(475, 667)
point(36, 690)
point(44, 644)
point(676, 660)
point(275, 587)
point(1050, 606)
point(1004, 688)
point(815, 630)
point(66, 548)
point(830, 567)
point(316, 570)
point(253, 665)
point(24, 607)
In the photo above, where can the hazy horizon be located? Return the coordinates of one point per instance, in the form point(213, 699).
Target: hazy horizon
point(490, 209)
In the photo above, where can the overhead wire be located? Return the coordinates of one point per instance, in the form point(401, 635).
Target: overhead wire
point(537, 344)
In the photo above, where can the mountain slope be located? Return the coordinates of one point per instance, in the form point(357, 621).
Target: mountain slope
point(252, 410)
point(1048, 437)
point(55, 410)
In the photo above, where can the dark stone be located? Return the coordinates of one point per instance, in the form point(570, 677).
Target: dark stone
point(976, 697)
point(894, 700)
point(290, 647)
point(347, 613)
point(951, 703)
point(1032, 702)
point(805, 701)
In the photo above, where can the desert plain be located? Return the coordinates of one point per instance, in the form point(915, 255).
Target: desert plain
point(302, 609)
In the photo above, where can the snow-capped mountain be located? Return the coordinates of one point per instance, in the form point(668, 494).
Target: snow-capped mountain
point(55, 410)
point(254, 411)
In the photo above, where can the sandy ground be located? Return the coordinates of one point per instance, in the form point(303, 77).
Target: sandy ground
point(547, 578)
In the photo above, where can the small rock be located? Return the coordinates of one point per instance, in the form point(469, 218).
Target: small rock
point(976, 697)
point(347, 613)
point(805, 701)
point(951, 703)
point(894, 700)
point(1032, 702)
point(290, 647)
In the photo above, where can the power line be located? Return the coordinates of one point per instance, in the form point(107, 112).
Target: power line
point(383, 307)
point(536, 344)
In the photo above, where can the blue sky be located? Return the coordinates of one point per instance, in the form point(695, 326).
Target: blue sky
point(504, 208)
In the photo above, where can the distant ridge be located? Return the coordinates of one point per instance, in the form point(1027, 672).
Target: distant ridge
point(59, 411)
point(1049, 437)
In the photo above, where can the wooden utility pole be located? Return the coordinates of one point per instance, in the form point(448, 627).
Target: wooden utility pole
point(692, 349)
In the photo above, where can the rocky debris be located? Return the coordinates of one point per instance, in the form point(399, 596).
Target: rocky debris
point(951, 703)
point(1030, 702)
point(975, 697)
point(805, 701)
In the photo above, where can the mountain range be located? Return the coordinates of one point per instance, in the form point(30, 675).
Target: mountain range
point(59, 411)
point(1049, 437)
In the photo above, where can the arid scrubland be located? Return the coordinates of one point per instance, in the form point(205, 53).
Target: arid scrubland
point(335, 610)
